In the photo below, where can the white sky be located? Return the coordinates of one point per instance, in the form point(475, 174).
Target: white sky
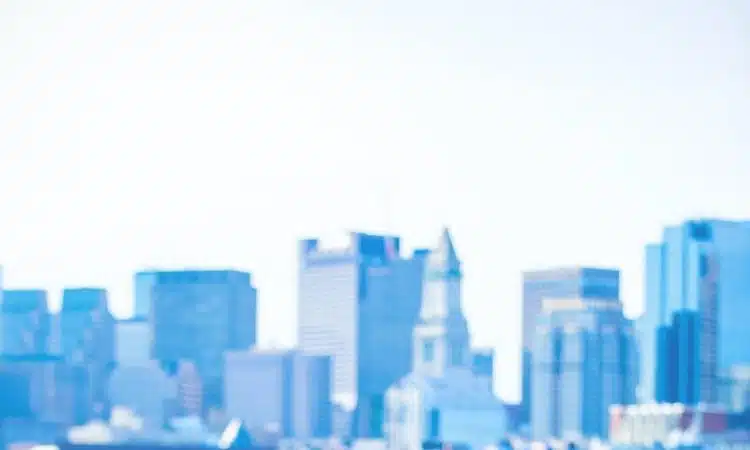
point(193, 133)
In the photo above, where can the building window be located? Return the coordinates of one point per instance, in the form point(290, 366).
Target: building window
point(428, 350)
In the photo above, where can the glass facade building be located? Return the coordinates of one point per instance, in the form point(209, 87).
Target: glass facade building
point(197, 315)
point(24, 322)
point(694, 331)
point(583, 362)
point(359, 305)
point(561, 283)
point(87, 340)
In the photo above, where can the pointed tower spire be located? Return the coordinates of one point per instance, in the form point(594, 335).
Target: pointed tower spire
point(443, 263)
point(442, 337)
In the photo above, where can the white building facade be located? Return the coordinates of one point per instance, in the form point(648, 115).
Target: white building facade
point(442, 399)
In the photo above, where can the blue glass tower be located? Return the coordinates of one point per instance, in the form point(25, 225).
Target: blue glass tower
point(359, 304)
point(583, 359)
point(561, 283)
point(693, 330)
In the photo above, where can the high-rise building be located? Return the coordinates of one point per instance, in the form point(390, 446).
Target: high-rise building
point(196, 316)
point(359, 305)
point(571, 283)
point(694, 327)
point(25, 322)
point(87, 339)
point(387, 316)
point(583, 359)
point(332, 285)
point(442, 399)
point(284, 390)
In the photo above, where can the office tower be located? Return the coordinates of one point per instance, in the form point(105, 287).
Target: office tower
point(133, 338)
point(483, 366)
point(143, 284)
point(25, 322)
point(694, 327)
point(582, 364)
point(358, 304)
point(571, 282)
point(87, 339)
point(442, 399)
point(48, 389)
point(196, 316)
point(387, 316)
point(284, 390)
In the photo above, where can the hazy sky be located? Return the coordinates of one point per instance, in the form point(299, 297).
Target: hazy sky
point(195, 133)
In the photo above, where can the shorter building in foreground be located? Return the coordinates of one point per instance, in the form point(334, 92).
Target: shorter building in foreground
point(152, 405)
point(677, 426)
point(44, 388)
point(288, 392)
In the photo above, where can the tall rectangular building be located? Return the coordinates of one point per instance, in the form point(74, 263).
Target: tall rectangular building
point(286, 390)
point(693, 331)
point(87, 340)
point(561, 283)
point(196, 316)
point(582, 364)
point(25, 322)
point(359, 304)
point(387, 316)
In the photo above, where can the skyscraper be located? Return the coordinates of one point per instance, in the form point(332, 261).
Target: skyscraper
point(570, 283)
point(25, 322)
point(197, 315)
point(87, 340)
point(694, 331)
point(387, 316)
point(359, 305)
point(332, 285)
point(583, 358)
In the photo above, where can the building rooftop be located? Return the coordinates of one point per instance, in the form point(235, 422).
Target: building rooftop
point(83, 299)
point(20, 301)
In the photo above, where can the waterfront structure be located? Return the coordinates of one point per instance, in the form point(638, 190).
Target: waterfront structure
point(196, 316)
point(287, 391)
point(583, 362)
point(133, 338)
point(359, 304)
point(442, 399)
point(560, 283)
point(87, 339)
point(46, 389)
point(25, 322)
point(676, 425)
point(694, 327)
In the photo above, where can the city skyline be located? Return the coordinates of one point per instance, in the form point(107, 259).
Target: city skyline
point(120, 155)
